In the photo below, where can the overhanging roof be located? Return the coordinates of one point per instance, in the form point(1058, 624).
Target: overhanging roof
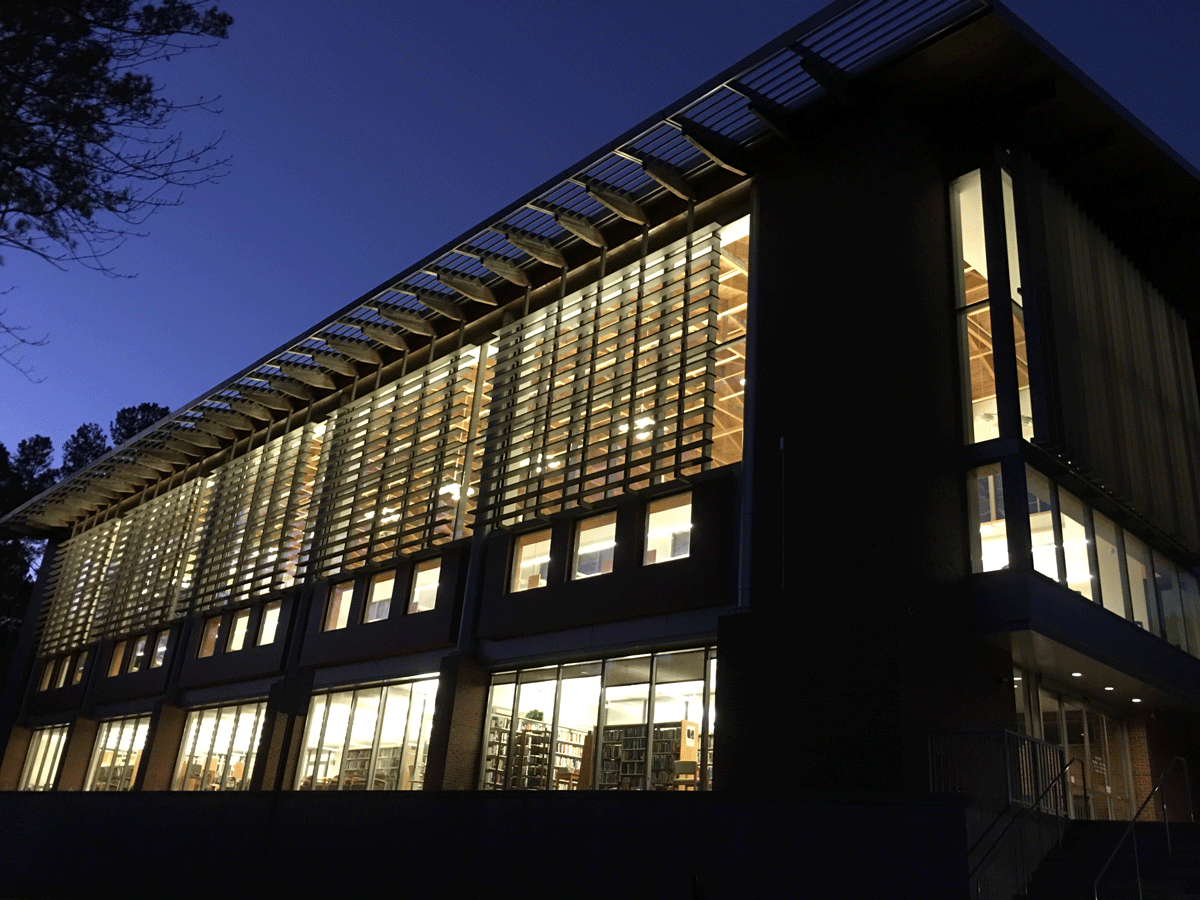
point(702, 144)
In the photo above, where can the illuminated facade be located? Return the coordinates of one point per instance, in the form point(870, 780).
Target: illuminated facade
point(862, 428)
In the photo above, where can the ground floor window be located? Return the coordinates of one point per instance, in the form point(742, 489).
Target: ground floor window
point(218, 748)
point(633, 723)
point(41, 763)
point(370, 738)
point(118, 754)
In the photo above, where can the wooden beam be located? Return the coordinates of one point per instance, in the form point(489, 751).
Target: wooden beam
point(468, 287)
point(184, 447)
point(199, 438)
point(308, 374)
point(232, 419)
point(506, 269)
point(541, 250)
point(407, 320)
point(582, 229)
point(355, 349)
point(267, 398)
point(216, 429)
point(291, 387)
point(334, 362)
point(440, 303)
point(625, 207)
point(168, 455)
point(251, 409)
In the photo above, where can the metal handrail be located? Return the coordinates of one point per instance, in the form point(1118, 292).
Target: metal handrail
point(1187, 780)
point(1011, 822)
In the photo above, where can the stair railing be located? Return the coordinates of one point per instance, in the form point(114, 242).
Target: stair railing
point(1037, 803)
point(1137, 867)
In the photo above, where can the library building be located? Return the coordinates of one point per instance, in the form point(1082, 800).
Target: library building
point(849, 402)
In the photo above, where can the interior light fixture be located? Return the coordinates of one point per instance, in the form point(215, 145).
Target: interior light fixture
point(1136, 700)
point(1108, 687)
point(1076, 674)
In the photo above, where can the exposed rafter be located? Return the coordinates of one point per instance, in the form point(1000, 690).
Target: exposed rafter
point(468, 287)
point(360, 350)
point(541, 250)
point(622, 205)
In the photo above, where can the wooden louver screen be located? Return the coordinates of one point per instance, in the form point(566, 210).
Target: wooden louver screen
point(147, 562)
point(251, 524)
point(608, 390)
point(76, 582)
point(395, 473)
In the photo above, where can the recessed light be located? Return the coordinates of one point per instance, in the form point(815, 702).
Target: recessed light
point(1137, 700)
point(1108, 687)
point(1076, 674)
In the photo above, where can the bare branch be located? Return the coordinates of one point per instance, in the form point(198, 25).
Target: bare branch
point(11, 342)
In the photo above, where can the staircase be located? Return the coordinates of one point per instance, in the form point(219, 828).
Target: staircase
point(1069, 873)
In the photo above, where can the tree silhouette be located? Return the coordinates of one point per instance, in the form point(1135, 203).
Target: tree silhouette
point(132, 419)
point(88, 443)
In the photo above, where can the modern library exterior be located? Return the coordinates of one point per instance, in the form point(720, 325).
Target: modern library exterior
point(529, 519)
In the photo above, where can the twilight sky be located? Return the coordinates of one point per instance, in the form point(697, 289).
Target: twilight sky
point(363, 140)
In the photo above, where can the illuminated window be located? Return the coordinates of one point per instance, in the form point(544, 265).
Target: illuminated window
point(379, 597)
point(41, 763)
point(138, 656)
point(80, 660)
point(118, 754)
point(218, 748)
point(531, 561)
point(237, 633)
point(118, 654)
point(669, 529)
point(426, 576)
point(47, 675)
point(595, 540)
point(337, 611)
point(370, 739)
point(160, 648)
point(208, 640)
point(64, 668)
point(270, 622)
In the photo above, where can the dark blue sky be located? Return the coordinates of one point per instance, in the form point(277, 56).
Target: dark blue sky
point(362, 141)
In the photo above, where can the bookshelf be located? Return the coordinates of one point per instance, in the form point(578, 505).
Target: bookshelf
point(624, 755)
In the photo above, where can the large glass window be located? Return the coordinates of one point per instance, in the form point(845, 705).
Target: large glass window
point(595, 541)
point(218, 749)
point(1041, 524)
point(270, 622)
point(1170, 602)
point(633, 723)
point(237, 631)
point(989, 545)
point(531, 560)
point(41, 763)
point(208, 637)
point(117, 754)
point(372, 738)
point(114, 662)
point(668, 529)
point(1076, 543)
point(160, 648)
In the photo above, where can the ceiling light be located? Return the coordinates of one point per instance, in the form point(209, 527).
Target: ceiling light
point(1136, 700)
point(1108, 687)
point(1076, 674)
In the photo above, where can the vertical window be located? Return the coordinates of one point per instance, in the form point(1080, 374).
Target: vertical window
point(80, 662)
point(668, 529)
point(1170, 601)
point(118, 655)
point(1041, 524)
point(41, 763)
point(237, 631)
point(270, 622)
point(218, 748)
point(337, 609)
point(138, 657)
point(989, 544)
point(974, 316)
point(531, 561)
point(1076, 543)
point(595, 540)
point(426, 577)
point(1014, 282)
point(208, 638)
point(64, 669)
point(117, 754)
point(374, 738)
point(678, 715)
point(1108, 558)
point(160, 648)
point(379, 597)
point(1189, 591)
point(1141, 583)
point(47, 675)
